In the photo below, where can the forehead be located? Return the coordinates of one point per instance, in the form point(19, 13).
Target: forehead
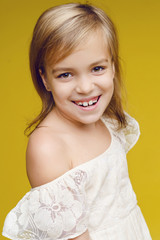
point(93, 44)
point(91, 51)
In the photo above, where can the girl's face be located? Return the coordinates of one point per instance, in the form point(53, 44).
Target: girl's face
point(82, 83)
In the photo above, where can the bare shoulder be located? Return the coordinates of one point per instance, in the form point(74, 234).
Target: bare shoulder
point(46, 157)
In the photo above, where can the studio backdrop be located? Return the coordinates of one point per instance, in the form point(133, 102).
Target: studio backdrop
point(138, 25)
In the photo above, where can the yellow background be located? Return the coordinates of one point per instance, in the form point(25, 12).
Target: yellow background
point(138, 23)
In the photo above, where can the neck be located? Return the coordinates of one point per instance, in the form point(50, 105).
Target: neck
point(73, 125)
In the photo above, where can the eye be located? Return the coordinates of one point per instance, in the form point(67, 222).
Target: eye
point(64, 75)
point(98, 69)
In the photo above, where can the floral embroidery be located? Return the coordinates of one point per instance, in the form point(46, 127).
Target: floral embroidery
point(50, 212)
point(79, 175)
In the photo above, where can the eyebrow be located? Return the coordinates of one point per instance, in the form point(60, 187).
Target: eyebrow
point(63, 69)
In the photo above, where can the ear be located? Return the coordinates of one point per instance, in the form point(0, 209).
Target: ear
point(44, 80)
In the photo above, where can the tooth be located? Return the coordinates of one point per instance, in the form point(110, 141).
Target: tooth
point(79, 103)
point(94, 101)
point(90, 102)
point(85, 104)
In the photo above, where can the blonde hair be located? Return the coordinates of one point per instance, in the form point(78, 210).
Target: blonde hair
point(58, 31)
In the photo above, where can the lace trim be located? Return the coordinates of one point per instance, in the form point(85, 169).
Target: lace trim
point(58, 211)
point(127, 136)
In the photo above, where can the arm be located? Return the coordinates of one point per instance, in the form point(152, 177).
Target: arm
point(46, 160)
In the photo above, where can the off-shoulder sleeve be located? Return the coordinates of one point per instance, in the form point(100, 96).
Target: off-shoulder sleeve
point(129, 135)
point(131, 132)
point(56, 210)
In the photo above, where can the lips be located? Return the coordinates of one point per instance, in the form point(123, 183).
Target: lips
point(87, 102)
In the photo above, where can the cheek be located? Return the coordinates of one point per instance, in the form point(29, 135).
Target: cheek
point(110, 89)
point(108, 84)
point(61, 91)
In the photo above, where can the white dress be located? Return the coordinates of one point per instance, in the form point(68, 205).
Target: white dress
point(96, 195)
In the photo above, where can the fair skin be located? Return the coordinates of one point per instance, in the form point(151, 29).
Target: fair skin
point(72, 133)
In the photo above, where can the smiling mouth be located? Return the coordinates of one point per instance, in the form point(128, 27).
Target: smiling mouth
point(91, 102)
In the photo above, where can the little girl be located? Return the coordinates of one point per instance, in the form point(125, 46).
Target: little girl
point(76, 155)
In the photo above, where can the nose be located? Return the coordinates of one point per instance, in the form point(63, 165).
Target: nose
point(84, 85)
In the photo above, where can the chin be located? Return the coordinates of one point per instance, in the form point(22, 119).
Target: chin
point(89, 119)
